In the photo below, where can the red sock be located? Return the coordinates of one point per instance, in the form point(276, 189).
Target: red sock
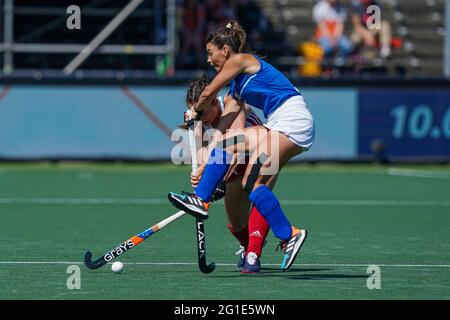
point(241, 236)
point(258, 229)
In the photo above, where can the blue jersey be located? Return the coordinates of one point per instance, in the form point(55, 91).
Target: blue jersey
point(266, 90)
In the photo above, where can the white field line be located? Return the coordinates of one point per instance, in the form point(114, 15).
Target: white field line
point(233, 264)
point(418, 173)
point(77, 201)
point(286, 202)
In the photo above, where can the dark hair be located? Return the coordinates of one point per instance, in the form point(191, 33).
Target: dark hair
point(233, 35)
point(195, 89)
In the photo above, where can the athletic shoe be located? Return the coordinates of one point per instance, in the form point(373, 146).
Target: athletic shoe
point(292, 247)
point(190, 203)
point(241, 254)
point(252, 264)
point(385, 52)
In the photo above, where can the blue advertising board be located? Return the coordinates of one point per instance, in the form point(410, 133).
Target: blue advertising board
point(411, 123)
point(139, 122)
point(335, 113)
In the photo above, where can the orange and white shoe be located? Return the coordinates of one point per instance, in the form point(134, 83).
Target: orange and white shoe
point(292, 247)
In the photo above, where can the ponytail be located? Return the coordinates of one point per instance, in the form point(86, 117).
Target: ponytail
point(233, 35)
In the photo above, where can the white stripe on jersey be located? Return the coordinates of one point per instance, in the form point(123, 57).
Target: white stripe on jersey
point(253, 120)
point(221, 103)
point(245, 84)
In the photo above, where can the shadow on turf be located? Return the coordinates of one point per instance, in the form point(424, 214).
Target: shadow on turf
point(297, 274)
point(277, 270)
point(323, 276)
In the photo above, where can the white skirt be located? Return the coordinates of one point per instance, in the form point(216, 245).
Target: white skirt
point(294, 120)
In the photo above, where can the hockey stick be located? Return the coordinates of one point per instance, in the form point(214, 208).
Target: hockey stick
point(200, 224)
point(140, 237)
point(128, 244)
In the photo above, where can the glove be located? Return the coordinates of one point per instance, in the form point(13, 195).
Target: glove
point(219, 193)
point(193, 115)
point(184, 125)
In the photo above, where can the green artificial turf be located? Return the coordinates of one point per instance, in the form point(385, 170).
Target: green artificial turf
point(357, 215)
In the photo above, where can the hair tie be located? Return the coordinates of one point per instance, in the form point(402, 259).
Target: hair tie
point(229, 25)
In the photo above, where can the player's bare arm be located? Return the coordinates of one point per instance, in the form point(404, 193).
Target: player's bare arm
point(236, 64)
point(233, 115)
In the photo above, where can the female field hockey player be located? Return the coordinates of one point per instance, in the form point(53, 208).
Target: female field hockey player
point(247, 226)
point(288, 132)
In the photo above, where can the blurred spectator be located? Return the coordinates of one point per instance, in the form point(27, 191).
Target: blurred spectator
point(313, 56)
point(219, 13)
point(193, 33)
point(330, 18)
point(201, 17)
point(251, 18)
point(370, 38)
